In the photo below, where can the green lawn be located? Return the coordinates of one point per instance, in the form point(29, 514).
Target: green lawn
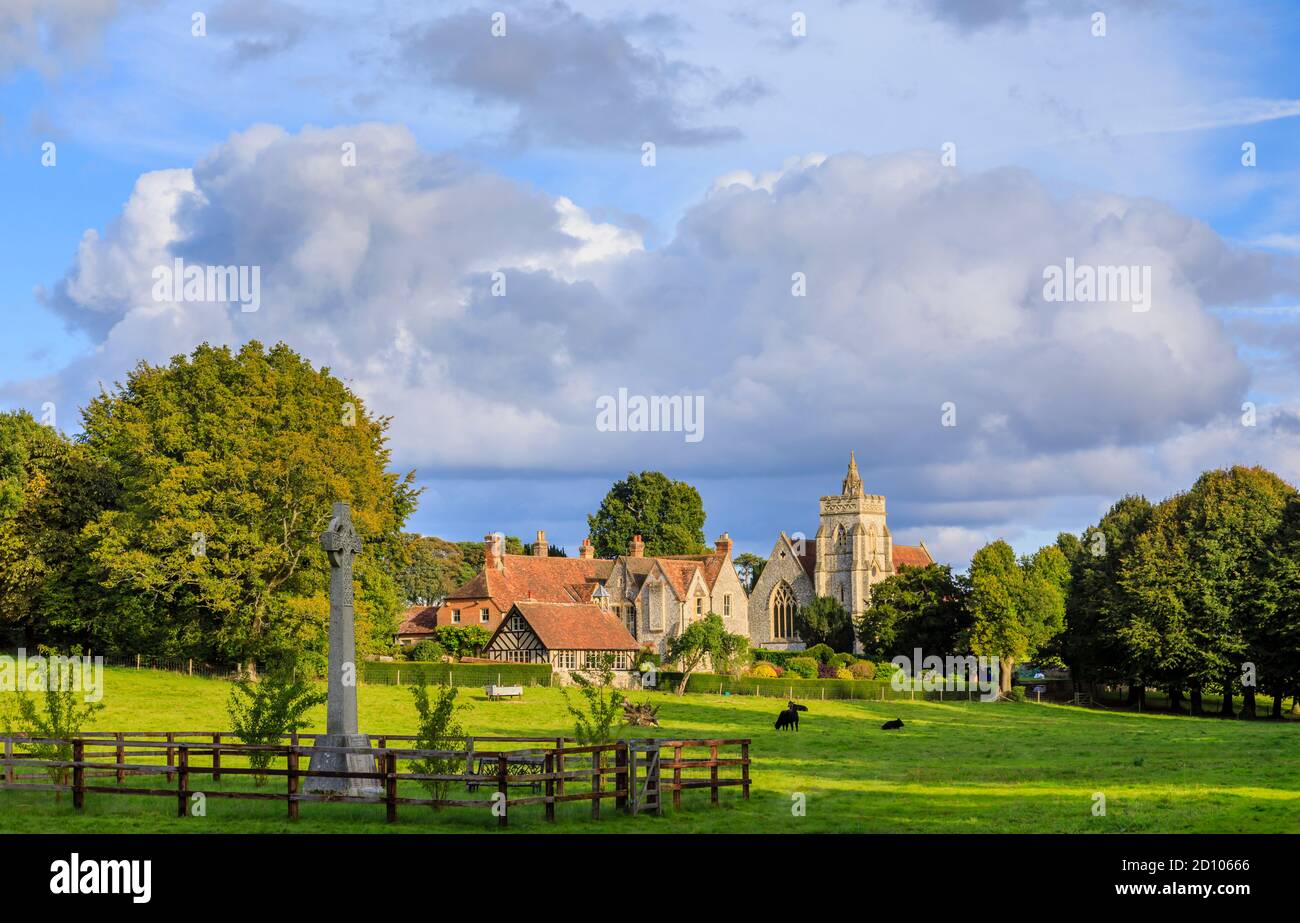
point(956, 768)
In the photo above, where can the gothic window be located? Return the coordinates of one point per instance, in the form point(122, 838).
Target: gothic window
point(841, 540)
point(783, 607)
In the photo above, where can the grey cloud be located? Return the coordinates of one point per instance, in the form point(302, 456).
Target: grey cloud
point(571, 80)
point(49, 35)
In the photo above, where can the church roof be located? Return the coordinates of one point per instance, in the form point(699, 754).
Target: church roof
point(911, 556)
point(575, 627)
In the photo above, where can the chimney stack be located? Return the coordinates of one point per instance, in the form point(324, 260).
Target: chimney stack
point(638, 547)
point(493, 548)
point(541, 549)
point(724, 544)
point(585, 550)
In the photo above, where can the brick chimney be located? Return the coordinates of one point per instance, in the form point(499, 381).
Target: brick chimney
point(724, 544)
point(493, 548)
point(585, 550)
point(638, 547)
point(541, 549)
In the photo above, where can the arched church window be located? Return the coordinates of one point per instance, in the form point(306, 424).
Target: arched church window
point(783, 608)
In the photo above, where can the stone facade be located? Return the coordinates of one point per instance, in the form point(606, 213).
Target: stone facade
point(853, 551)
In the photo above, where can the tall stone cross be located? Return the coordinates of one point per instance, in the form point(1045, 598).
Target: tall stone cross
point(342, 545)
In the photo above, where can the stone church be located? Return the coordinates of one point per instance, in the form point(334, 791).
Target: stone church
point(853, 551)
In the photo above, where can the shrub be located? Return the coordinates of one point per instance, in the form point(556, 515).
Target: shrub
point(823, 653)
point(602, 721)
point(842, 673)
point(437, 729)
point(426, 651)
point(843, 660)
point(1017, 693)
point(826, 670)
point(804, 667)
point(263, 711)
point(863, 669)
point(780, 671)
point(764, 670)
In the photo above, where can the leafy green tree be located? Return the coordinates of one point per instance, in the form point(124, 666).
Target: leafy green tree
point(436, 729)
point(926, 607)
point(825, 621)
point(749, 567)
point(1277, 643)
point(270, 707)
point(431, 568)
point(706, 640)
point(228, 465)
point(668, 515)
point(1016, 607)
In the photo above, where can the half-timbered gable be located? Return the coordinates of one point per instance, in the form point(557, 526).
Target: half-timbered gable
point(568, 636)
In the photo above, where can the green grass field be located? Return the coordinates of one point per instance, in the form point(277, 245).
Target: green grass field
point(955, 768)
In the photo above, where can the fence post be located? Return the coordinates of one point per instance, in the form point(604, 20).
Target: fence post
point(78, 775)
point(216, 757)
point(559, 764)
point(9, 755)
point(620, 776)
point(121, 756)
point(503, 782)
point(713, 773)
point(291, 763)
point(191, 666)
point(549, 766)
point(677, 777)
point(137, 661)
point(744, 768)
point(390, 784)
point(171, 754)
point(595, 785)
point(183, 783)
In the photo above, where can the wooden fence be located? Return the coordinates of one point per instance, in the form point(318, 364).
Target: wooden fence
point(555, 770)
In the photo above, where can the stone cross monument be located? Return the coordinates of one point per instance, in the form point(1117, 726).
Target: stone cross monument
point(342, 544)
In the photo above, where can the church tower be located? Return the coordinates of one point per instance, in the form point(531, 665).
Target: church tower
point(854, 548)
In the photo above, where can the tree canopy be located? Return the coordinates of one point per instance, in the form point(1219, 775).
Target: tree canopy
point(667, 514)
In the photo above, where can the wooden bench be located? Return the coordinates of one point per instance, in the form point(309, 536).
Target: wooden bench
point(520, 763)
point(495, 692)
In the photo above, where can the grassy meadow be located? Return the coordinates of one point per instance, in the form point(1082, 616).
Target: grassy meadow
point(956, 768)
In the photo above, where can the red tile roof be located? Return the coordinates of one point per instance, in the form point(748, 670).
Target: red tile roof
point(418, 620)
point(911, 556)
point(575, 627)
point(525, 576)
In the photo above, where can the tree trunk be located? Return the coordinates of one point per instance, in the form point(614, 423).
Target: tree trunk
point(1295, 703)
point(1198, 707)
point(1134, 690)
point(1175, 700)
point(1005, 672)
point(1247, 703)
point(681, 687)
point(1226, 711)
point(1276, 711)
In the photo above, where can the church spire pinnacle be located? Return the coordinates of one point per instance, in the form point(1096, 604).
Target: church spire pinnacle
point(852, 486)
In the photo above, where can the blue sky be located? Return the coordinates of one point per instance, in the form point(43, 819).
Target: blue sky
point(775, 153)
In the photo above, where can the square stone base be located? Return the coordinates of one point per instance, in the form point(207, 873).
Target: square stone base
point(343, 762)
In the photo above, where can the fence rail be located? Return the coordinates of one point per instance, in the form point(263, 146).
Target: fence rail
point(555, 770)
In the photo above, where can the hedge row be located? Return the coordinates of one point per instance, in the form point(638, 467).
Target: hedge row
point(871, 689)
point(455, 674)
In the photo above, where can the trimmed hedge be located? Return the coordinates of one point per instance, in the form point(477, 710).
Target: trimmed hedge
point(457, 674)
point(793, 687)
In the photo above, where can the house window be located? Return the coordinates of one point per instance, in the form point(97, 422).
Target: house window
point(782, 611)
point(455, 615)
point(566, 660)
point(726, 604)
point(483, 615)
point(699, 605)
point(622, 660)
point(516, 622)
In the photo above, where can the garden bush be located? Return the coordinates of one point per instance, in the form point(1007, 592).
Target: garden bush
point(842, 673)
point(823, 653)
point(843, 660)
point(804, 667)
point(764, 670)
point(427, 651)
point(863, 669)
point(826, 670)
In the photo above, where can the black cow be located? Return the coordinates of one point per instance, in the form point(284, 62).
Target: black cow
point(892, 725)
point(790, 717)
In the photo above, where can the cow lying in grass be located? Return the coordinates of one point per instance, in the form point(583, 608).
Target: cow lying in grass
point(892, 725)
point(790, 717)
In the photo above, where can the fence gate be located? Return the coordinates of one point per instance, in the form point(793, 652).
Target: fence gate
point(643, 777)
